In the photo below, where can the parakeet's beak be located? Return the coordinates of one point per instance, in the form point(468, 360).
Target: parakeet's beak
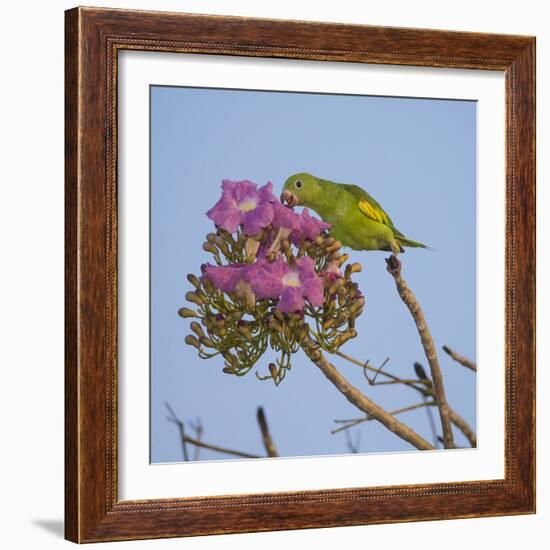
point(289, 198)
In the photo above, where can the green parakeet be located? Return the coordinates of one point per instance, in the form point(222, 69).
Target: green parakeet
point(357, 220)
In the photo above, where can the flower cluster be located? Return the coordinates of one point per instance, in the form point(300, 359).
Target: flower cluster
point(274, 270)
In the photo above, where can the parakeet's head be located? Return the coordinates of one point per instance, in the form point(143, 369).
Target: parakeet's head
point(302, 188)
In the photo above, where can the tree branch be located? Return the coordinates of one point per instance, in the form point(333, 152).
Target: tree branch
point(353, 446)
point(361, 401)
point(270, 448)
point(350, 423)
point(460, 359)
point(181, 427)
point(218, 449)
point(409, 299)
point(197, 442)
point(199, 430)
point(424, 391)
point(456, 419)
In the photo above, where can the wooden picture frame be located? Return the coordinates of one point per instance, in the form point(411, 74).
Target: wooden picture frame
point(93, 511)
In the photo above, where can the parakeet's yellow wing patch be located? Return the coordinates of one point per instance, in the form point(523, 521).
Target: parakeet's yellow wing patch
point(376, 214)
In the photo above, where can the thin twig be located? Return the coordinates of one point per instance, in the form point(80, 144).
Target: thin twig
point(199, 431)
point(355, 421)
point(407, 382)
point(353, 446)
point(431, 421)
point(361, 401)
point(202, 444)
point(409, 299)
point(372, 381)
point(175, 420)
point(397, 380)
point(456, 419)
point(464, 361)
point(270, 448)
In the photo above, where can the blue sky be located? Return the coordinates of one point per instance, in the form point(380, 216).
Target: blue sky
point(416, 157)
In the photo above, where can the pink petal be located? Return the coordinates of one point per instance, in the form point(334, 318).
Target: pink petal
point(291, 300)
point(313, 291)
point(283, 216)
point(225, 278)
point(306, 267)
point(266, 278)
point(240, 190)
point(309, 229)
point(257, 219)
point(265, 193)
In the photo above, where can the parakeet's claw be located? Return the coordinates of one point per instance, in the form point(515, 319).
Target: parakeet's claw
point(289, 198)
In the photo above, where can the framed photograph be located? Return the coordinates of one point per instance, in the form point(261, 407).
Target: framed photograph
point(300, 275)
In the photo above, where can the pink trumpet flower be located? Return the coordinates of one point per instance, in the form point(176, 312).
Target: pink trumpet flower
point(290, 283)
point(242, 203)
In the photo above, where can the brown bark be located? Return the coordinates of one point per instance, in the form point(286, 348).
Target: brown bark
point(409, 299)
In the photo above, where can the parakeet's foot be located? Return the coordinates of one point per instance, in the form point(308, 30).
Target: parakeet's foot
point(395, 248)
point(393, 265)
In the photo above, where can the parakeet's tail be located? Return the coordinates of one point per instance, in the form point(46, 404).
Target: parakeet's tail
point(404, 241)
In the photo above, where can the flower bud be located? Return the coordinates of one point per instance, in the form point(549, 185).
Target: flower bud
point(221, 244)
point(342, 296)
point(343, 338)
point(194, 280)
point(353, 268)
point(279, 314)
point(338, 283)
point(230, 358)
point(209, 247)
point(273, 370)
point(242, 327)
point(341, 319)
point(343, 259)
point(197, 329)
point(357, 305)
point(226, 236)
point(303, 332)
point(205, 341)
point(192, 341)
point(185, 312)
point(274, 325)
point(333, 247)
point(194, 298)
point(304, 247)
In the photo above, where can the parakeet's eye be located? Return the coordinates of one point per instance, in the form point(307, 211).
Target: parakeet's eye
point(298, 184)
